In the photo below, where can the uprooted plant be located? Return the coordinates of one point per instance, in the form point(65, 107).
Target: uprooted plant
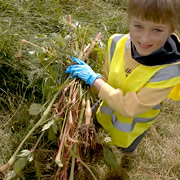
point(66, 101)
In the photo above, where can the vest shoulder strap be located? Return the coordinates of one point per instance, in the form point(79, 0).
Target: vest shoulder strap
point(175, 93)
point(170, 74)
point(113, 40)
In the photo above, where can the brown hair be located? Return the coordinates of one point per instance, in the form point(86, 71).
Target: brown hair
point(159, 11)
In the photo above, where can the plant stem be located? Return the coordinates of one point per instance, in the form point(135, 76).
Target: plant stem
point(73, 164)
point(44, 116)
point(58, 156)
point(63, 94)
point(35, 146)
point(23, 41)
point(70, 23)
point(88, 112)
point(82, 113)
point(71, 30)
point(83, 104)
point(84, 164)
point(92, 46)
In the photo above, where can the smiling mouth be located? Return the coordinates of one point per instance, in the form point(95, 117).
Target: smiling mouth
point(144, 46)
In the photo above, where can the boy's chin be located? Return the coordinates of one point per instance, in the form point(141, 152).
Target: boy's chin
point(144, 53)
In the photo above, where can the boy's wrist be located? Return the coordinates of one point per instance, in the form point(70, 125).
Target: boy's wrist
point(92, 78)
point(98, 83)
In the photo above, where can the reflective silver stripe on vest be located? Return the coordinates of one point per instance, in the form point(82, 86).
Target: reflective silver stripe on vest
point(106, 110)
point(129, 127)
point(166, 73)
point(123, 126)
point(128, 42)
point(157, 107)
point(113, 45)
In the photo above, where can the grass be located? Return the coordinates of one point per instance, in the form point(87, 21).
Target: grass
point(159, 152)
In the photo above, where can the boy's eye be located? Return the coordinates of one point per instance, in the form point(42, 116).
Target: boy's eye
point(137, 26)
point(157, 30)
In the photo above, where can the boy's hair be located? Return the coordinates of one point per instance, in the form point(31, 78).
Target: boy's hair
point(159, 11)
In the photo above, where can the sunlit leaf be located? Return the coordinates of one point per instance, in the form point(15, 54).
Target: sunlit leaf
point(51, 133)
point(47, 87)
point(19, 165)
point(35, 109)
point(110, 159)
point(31, 157)
point(38, 169)
point(57, 37)
point(52, 72)
point(55, 128)
point(24, 153)
point(48, 125)
point(31, 52)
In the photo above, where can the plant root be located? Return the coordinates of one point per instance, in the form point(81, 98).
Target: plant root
point(87, 137)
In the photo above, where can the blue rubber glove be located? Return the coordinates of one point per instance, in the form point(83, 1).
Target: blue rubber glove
point(83, 71)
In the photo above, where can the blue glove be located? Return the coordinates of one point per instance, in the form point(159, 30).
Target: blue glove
point(83, 71)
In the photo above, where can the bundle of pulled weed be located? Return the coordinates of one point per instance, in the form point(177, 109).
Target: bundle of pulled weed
point(65, 112)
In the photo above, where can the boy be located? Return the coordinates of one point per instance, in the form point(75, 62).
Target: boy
point(142, 68)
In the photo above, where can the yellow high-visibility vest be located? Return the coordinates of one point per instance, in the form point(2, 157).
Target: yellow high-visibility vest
point(175, 93)
point(125, 130)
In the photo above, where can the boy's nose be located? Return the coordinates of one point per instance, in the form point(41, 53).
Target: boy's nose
point(145, 38)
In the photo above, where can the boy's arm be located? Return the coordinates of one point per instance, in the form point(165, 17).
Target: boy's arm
point(105, 69)
point(104, 76)
point(132, 103)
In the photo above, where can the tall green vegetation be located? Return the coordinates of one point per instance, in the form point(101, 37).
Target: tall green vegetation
point(27, 19)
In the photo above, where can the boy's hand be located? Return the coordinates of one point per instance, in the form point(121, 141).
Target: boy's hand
point(83, 71)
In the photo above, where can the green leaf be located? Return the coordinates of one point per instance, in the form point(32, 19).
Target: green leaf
point(55, 128)
point(24, 153)
point(31, 157)
point(110, 159)
point(51, 134)
point(52, 72)
point(19, 165)
point(57, 37)
point(47, 87)
point(48, 125)
point(38, 169)
point(35, 109)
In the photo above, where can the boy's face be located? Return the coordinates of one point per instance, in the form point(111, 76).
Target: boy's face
point(148, 36)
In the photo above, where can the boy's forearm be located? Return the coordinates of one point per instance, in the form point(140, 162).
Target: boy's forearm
point(98, 83)
point(131, 104)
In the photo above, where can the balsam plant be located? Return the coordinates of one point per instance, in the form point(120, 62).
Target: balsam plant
point(46, 58)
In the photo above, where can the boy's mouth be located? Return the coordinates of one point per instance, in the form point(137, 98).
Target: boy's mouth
point(144, 46)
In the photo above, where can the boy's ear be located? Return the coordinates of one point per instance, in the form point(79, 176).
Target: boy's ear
point(171, 32)
point(172, 29)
